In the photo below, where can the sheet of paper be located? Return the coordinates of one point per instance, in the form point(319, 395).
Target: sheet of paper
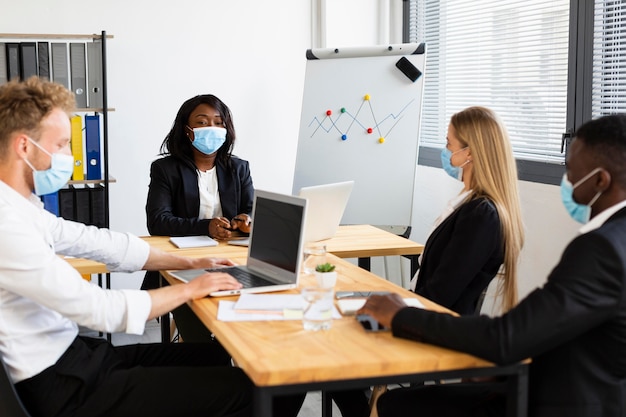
point(349, 306)
point(192, 241)
point(226, 312)
point(270, 302)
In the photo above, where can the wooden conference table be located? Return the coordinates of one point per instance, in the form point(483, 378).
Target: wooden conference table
point(282, 358)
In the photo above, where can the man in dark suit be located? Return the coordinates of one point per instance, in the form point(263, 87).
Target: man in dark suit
point(573, 328)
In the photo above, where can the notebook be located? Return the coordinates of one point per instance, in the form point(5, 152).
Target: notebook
point(325, 208)
point(275, 248)
point(192, 241)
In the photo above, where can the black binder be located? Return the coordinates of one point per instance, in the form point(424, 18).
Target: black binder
point(66, 203)
point(81, 204)
point(3, 64)
point(78, 70)
point(60, 70)
point(28, 60)
point(43, 58)
point(13, 60)
point(98, 211)
point(94, 78)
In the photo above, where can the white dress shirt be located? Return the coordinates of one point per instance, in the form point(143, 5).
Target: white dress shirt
point(600, 218)
point(43, 298)
point(210, 204)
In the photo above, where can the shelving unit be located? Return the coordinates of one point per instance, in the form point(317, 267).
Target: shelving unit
point(103, 109)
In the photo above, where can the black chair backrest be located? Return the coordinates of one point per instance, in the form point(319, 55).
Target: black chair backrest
point(10, 403)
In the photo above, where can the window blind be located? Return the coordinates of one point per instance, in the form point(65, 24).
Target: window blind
point(609, 58)
point(508, 55)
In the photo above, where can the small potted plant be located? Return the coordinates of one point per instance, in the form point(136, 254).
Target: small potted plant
point(326, 275)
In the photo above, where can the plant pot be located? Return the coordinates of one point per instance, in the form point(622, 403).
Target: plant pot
point(326, 279)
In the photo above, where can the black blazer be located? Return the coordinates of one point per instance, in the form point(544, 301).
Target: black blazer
point(461, 256)
point(174, 200)
point(574, 329)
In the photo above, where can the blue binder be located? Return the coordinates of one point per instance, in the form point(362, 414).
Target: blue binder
point(92, 144)
point(51, 202)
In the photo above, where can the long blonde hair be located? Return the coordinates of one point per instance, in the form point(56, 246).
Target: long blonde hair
point(494, 175)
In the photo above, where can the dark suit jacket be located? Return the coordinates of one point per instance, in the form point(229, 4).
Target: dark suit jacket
point(461, 256)
point(574, 329)
point(174, 200)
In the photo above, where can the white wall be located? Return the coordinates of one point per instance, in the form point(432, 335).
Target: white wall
point(249, 53)
point(165, 52)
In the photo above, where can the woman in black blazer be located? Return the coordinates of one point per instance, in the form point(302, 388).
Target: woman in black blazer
point(198, 188)
point(481, 230)
point(478, 234)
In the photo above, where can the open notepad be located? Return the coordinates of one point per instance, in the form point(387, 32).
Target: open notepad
point(193, 241)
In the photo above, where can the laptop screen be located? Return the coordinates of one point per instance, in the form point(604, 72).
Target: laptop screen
point(276, 235)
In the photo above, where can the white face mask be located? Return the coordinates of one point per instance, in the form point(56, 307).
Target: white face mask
point(52, 179)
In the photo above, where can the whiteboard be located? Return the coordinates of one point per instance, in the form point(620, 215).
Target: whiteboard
point(360, 121)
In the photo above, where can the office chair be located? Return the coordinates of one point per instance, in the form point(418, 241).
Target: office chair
point(10, 403)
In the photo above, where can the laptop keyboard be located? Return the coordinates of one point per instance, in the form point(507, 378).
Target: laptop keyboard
point(246, 279)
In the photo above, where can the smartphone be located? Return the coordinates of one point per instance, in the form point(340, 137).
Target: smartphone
point(369, 324)
point(358, 294)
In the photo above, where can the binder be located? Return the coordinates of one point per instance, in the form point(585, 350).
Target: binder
point(66, 203)
point(60, 70)
point(94, 74)
point(51, 202)
point(3, 64)
point(43, 59)
point(92, 145)
point(78, 71)
point(82, 211)
point(96, 204)
point(13, 60)
point(77, 148)
point(28, 60)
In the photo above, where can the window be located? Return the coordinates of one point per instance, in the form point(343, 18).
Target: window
point(609, 58)
point(508, 55)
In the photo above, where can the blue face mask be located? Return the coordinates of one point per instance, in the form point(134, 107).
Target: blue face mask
point(208, 139)
point(52, 179)
point(451, 170)
point(579, 212)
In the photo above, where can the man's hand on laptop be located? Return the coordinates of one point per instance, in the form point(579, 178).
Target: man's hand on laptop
point(211, 282)
point(210, 262)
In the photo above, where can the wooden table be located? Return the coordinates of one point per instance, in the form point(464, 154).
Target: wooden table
point(282, 358)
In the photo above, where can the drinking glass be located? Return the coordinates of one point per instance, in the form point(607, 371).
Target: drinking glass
point(318, 311)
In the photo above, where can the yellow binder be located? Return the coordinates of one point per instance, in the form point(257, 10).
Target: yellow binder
point(77, 148)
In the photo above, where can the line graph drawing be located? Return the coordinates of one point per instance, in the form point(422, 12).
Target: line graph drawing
point(344, 122)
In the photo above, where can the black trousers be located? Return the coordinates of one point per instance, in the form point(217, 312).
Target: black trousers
point(446, 400)
point(93, 378)
point(189, 325)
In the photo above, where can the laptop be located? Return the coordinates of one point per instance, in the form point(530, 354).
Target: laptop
point(275, 249)
point(325, 209)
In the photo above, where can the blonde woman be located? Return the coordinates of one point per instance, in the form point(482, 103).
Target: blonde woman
point(478, 234)
point(481, 229)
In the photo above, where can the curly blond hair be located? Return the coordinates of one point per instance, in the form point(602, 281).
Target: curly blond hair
point(23, 105)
